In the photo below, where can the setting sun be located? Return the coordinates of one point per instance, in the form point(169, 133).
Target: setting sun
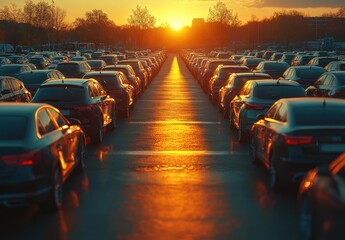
point(176, 25)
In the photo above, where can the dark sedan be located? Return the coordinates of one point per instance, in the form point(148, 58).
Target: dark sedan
point(295, 135)
point(329, 84)
point(39, 149)
point(73, 69)
point(322, 201)
point(14, 70)
point(118, 87)
point(274, 68)
point(13, 90)
point(83, 99)
point(304, 75)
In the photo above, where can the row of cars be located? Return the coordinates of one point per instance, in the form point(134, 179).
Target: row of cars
point(43, 140)
point(296, 137)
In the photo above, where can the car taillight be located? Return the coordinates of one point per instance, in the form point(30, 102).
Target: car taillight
point(250, 106)
point(23, 159)
point(298, 140)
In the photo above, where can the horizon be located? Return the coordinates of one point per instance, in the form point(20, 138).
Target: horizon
point(178, 14)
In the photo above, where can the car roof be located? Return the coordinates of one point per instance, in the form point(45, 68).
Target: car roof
point(20, 108)
point(251, 74)
point(67, 81)
point(104, 73)
point(272, 82)
point(306, 67)
point(314, 101)
point(39, 71)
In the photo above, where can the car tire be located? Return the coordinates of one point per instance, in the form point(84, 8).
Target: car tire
point(275, 182)
point(80, 157)
point(231, 120)
point(112, 125)
point(241, 136)
point(252, 151)
point(305, 219)
point(99, 133)
point(54, 201)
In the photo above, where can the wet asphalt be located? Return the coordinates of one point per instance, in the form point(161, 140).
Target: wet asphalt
point(173, 170)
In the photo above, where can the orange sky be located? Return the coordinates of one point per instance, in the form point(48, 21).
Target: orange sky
point(181, 12)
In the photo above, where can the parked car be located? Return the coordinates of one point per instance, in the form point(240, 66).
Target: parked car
point(78, 58)
point(274, 68)
point(321, 201)
point(321, 61)
point(287, 57)
point(39, 149)
point(329, 84)
point(304, 75)
point(296, 135)
point(117, 86)
point(300, 60)
point(13, 70)
point(233, 86)
point(251, 62)
point(35, 78)
point(255, 98)
point(220, 77)
point(83, 99)
point(335, 66)
point(18, 59)
point(4, 61)
point(109, 59)
point(139, 71)
point(73, 69)
point(128, 71)
point(13, 90)
point(96, 65)
point(39, 61)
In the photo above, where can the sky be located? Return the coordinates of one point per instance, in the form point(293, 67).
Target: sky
point(181, 12)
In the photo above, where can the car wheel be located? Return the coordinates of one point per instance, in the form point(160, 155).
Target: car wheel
point(231, 120)
point(99, 134)
point(112, 125)
point(275, 182)
point(241, 136)
point(305, 219)
point(54, 200)
point(252, 151)
point(80, 158)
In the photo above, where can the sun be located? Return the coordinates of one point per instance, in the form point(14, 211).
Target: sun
point(176, 25)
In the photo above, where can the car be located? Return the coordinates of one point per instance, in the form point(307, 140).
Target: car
point(13, 70)
point(96, 65)
point(296, 135)
point(220, 77)
point(255, 98)
point(13, 90)
point(18, 59)
point(335, 66)
point(287, 57)
point(139, 71)
point(4, 61)
point(304, 75)
point(33, 79)
point(232, 87)
point(39, 61)
point(109, 59)
point(73, 69)
point(117, 86)
point(133, 79)
point(39, 149)
point(321, 201)
point(78, 58)
point(274, 68)
point(329, 84)
point(83, 99)
point(321, 61)
point(251, 62)
point(300, 60)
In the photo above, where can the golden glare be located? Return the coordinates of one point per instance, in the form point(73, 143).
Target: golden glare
point(176, 25)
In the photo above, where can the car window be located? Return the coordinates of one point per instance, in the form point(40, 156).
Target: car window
point(272, 111)
point(45, 122)
point(15, 84)
point(100, 89)
point(275, 92)
point(5, 85)
point(328, 80)
point(281, 114)
point(319, 116)
point(59, 119)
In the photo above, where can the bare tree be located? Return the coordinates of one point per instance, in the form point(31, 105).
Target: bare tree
point(141, 18)
point(219, 13)
point(11, 13)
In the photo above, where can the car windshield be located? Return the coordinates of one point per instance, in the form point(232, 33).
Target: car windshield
point(309, 73)
point(8, 69)
point(107, 82)
point(59, 93)
point(278, 91)
point(319, 116)
point(13, 128)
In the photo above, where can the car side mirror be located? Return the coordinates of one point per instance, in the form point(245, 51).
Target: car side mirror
point(260, 117)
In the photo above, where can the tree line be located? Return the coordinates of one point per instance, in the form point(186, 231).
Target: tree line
point(45, 23)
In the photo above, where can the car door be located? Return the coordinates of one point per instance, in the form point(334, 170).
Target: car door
point(240, 100)
point(69, 140)
point(50, 135)
point(103, 103)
